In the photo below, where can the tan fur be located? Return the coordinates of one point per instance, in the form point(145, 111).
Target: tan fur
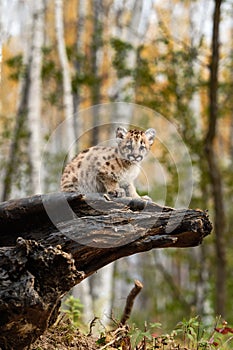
point(109, 169)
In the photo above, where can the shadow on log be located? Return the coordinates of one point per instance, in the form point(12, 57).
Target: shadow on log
point(51, 242)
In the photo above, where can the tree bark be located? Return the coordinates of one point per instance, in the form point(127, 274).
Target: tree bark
point(29, 105)
point(95, 60)
point(213, 167)
point(80, 49)
point(11, 166)
point(35, 96)
point(66, 77)
point(131, 33)
point(45, 249)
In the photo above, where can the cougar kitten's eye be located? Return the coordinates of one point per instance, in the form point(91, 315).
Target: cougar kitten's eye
point(142, 148)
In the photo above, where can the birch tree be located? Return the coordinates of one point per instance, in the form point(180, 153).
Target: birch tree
point(29, 105)
point(78, 127)
point(66, 76)
point(93, 293)
point(103, 292)
point(35, 95)
point(95, 60)
point(83, 290)
point(132, 34)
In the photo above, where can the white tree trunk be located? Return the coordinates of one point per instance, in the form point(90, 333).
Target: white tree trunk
point(67, 90)
point(83, 292)
point(132, 32)
point(102, 292)
point(123, 90)
point(102, 285)
point(34, 96)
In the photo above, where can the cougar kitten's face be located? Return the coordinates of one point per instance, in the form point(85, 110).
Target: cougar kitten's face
point(134, 145)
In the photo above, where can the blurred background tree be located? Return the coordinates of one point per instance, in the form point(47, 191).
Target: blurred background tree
point(135, 61)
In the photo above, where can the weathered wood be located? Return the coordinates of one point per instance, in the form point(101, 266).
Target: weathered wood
point(33, 280)
point(67, 237)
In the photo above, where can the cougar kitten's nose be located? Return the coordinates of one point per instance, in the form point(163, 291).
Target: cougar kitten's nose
point(132, 157)
point(138, 158)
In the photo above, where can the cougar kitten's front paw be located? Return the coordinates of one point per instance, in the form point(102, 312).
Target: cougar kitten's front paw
point(118, 193)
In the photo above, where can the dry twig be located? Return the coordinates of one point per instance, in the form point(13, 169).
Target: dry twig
point(130, 301)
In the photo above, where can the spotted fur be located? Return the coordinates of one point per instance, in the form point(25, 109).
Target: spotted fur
point(109, 169)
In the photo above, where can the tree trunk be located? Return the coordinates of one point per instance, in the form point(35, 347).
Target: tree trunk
point(11, 165)
point(29, 105)
point(78, 122)
point(213, 168)
point(128, 32)
point(83, 290)
point(133, 33)
point(67, 88)
point(34, 95)
point(2, 35)
point(65, 238)
point(96, 52)
point(100, 292)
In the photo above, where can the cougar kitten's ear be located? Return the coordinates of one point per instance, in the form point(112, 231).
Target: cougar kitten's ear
point(150, 134)
point(120, 133)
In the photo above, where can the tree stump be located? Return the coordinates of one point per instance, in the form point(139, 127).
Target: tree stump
point(49, 243)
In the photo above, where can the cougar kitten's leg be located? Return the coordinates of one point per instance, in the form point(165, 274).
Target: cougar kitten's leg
point(130, 190)
point(111, 185)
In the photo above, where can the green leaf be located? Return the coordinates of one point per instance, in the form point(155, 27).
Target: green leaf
point(155, 325)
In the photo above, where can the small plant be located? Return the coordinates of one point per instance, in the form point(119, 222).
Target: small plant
point(190, 331)
point(146, 337)
point(196, 337)
point(188, 335)
point(73, 309)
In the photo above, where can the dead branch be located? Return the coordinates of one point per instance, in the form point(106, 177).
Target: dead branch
point(130, 301)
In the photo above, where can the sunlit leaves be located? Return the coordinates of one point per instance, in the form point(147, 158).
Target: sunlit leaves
point(119, 62)
point(16, 65)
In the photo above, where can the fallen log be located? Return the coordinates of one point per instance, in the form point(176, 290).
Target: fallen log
point(51, 242)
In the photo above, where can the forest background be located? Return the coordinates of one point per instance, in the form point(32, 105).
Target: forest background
point(143, 63)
